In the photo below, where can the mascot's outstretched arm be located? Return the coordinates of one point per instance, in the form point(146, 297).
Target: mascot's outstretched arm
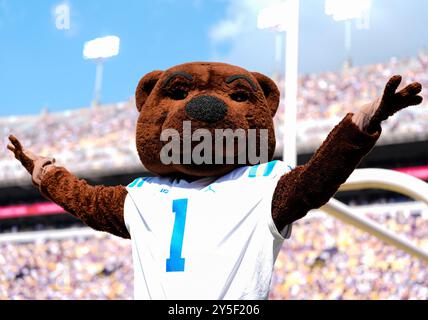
point(99, 207)
point(310, 186)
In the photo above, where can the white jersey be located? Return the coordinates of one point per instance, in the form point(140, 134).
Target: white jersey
point(213, 238)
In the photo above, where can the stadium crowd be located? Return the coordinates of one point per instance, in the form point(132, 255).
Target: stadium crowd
point(96, 138)
point(326, 259)
point(103, 137)
point(323, 259)
point(96, 267)
point(325, 98)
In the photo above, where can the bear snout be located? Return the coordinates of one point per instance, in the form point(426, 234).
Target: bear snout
point(206, 108)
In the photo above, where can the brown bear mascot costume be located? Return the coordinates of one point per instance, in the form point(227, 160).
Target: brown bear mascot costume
point(213, 230)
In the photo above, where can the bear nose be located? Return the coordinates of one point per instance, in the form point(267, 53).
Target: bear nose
point(206, 108)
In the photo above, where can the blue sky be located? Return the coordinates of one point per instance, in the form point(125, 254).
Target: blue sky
point(41, 66)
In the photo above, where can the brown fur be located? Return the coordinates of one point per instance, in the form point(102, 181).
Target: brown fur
point(99, 207)
point(312, 185)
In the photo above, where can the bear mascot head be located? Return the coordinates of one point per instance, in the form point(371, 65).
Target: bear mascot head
point(211, 96)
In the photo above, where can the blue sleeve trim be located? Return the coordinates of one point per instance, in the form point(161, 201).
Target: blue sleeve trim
point(269, 168)
point(255, 171)
point(137, 183)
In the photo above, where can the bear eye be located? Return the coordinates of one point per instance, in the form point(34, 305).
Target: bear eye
point(239, 96)
point(179, 94)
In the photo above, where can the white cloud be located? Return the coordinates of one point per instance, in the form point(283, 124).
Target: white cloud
point(245, 44)
point(227, 29)
point(240, 17)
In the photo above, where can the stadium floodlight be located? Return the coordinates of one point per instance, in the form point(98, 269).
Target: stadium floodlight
point(99, 50)
point(342, 10)
point(272, 17)
point(284, 16)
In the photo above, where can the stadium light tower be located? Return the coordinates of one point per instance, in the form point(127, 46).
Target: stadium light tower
point(284, 17)
point(348, 10)
point(99, 50)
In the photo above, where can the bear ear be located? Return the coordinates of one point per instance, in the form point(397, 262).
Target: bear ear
point(145, 86)
point(270, 91)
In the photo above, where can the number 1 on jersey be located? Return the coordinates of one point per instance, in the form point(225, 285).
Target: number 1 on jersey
point(175, 262)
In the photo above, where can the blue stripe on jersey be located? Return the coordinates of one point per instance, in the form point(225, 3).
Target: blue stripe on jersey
point(268, 168)
point(137, 182)
point(253, 171)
